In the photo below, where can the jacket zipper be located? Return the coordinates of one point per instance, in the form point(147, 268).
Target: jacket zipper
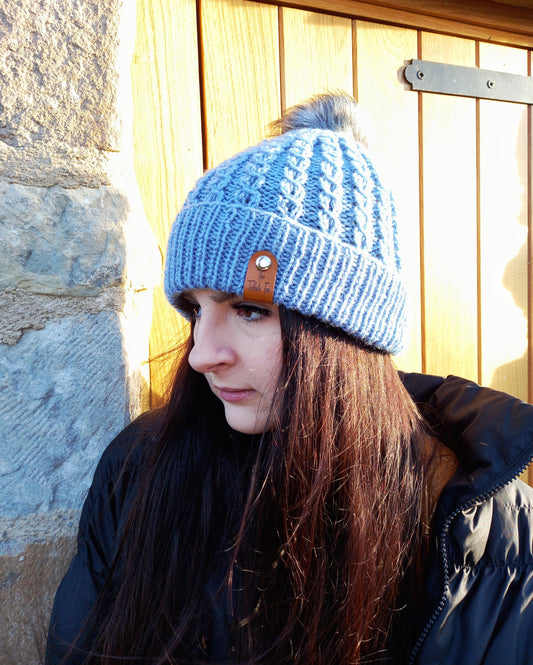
point(443, 550)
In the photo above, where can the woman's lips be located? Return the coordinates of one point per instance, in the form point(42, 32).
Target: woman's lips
point(234, 394)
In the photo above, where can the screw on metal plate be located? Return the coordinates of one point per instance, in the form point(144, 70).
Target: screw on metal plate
point(420, 74)
point(490, 84)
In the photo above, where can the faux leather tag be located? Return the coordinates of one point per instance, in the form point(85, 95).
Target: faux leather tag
point(261, 277)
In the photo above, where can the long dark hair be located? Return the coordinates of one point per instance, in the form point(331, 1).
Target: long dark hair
point(300, 538)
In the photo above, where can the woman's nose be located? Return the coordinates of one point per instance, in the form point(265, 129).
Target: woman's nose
point(212, 349)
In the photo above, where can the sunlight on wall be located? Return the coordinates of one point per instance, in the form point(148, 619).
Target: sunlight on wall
point(143, 258)
point(503, 243)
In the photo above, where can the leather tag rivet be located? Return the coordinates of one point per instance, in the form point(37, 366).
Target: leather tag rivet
point(263, 262)
point(260, 277)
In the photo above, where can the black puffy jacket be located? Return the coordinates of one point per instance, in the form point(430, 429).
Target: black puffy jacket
point(478, 603)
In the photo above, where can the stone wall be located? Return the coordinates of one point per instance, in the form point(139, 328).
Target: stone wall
point(77, 262)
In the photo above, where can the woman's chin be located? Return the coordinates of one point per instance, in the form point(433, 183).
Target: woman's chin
point(245, 421)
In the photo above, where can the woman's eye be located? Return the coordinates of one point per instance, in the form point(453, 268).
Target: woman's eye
point(191, 309)
point(196, 310)
point(188, 307)
point(250, 312)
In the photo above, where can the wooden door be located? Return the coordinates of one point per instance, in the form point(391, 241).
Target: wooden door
point(210, 77)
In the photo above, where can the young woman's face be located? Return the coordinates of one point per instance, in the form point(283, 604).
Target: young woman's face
point(237, 347)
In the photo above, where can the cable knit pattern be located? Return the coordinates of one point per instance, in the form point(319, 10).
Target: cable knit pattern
point(313, 198)
point(292, 184)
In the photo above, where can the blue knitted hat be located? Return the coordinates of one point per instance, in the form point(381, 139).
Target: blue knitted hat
point(313, 199)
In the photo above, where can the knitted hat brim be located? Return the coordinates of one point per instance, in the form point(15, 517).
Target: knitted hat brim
point(203, 253)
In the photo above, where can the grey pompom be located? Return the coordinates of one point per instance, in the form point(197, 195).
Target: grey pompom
point(336, 111)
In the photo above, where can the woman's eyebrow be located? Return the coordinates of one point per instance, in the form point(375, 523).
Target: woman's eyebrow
point(218, 296)
point(222, 296)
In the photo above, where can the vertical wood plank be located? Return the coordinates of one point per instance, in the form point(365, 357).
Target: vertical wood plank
point(449, 218)
point(167, 141)
point(316, 54)
point(503, 231)
point(240, 45)
point(392, 111)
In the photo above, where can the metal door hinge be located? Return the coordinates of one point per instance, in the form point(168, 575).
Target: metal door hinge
point(469, 82)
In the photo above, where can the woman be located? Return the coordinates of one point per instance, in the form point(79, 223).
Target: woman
point(290, 504)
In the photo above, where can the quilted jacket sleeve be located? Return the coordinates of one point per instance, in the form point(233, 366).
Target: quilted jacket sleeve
point(485, 616)
point(104, 510)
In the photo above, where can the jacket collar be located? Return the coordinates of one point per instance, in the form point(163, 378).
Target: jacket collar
point(490, 432)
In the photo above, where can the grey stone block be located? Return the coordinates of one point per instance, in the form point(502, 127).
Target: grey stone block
point(21, 310)
point(62, 241)
point(64, 393)
point(16, 533)
point(59, 88)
